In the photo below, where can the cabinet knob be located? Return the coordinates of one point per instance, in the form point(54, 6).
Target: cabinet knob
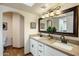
point(40, 45)
point(39, 55)
point(40, 51)
point(32, 45)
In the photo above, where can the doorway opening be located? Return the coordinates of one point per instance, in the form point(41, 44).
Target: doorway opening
point(13, 34)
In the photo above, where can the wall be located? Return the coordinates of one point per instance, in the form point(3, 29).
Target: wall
point(28, 17)
point(7, 17)
point(1, 35)
point(18, 30)
point(21, 31)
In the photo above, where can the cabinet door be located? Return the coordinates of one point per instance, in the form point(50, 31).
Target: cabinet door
point(33, 47)
point(40, 49)
point(53, 52)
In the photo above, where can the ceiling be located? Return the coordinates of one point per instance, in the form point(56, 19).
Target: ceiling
point(39, 8)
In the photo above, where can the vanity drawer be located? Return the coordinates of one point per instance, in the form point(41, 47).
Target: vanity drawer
point(40, 49)
point(40, 53)
point(33, 47)
point(40, 45)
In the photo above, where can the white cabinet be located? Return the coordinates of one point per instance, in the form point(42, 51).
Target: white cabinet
point(40, 49)
point(53, 52)
point(33, 47)
point(36, 48)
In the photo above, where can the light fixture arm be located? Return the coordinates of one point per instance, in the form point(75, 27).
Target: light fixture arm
point(52, 11)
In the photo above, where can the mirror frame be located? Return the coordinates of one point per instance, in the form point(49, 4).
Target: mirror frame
point(75, 24)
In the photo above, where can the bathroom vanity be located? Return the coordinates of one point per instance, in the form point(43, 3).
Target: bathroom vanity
point(42, 46)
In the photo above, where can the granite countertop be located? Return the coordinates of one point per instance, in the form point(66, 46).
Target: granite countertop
point(49, 42)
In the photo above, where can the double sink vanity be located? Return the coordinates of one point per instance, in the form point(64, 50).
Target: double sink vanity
point(43, 46)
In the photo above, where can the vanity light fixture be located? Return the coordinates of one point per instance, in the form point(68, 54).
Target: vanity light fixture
point(52, 12)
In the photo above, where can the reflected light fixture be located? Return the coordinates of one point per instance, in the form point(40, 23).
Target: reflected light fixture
point(58, 12)
point(51, 13)
point(47, 15)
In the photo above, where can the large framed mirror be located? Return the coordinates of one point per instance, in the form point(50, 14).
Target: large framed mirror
point(66, 23)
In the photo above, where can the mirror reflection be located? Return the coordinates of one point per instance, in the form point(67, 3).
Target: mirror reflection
point(62, 23)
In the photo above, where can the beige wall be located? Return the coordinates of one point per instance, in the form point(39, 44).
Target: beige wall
point(27, 31)
point(21, 31)
point(7, 17)
point(18, 31)
point(1, 35)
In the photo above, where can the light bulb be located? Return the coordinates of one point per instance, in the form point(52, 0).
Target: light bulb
point(47, 15)
point(58, 12)
point(52, 14)
point(43, 16)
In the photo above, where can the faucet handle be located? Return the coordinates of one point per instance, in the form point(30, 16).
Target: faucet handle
point(63, 40)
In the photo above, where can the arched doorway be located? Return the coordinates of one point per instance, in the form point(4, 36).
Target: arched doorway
point(13, 33)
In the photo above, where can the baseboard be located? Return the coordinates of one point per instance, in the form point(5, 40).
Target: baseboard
point(18, 47)
point(8, 46)
point(28, 54)
point(14, 47)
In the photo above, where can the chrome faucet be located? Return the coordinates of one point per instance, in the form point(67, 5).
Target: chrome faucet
point(63, 40)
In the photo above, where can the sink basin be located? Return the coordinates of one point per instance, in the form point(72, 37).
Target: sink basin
point(63, 46)
point(37, 37)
